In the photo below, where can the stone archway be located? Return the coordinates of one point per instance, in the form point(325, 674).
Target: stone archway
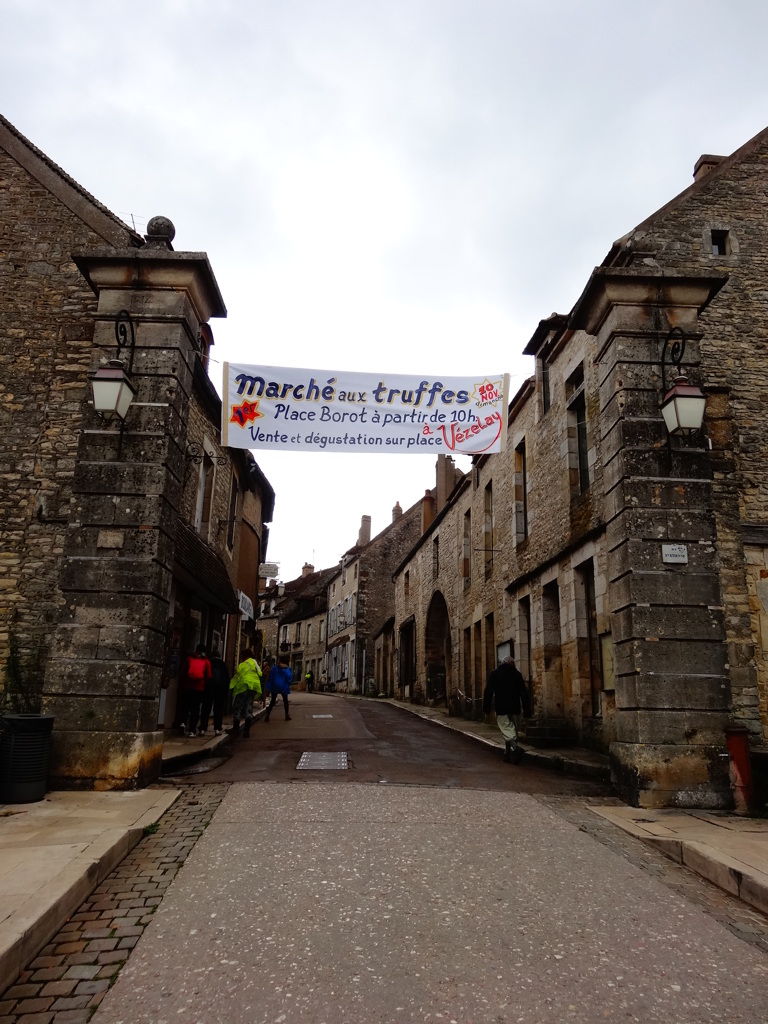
point(437, 644)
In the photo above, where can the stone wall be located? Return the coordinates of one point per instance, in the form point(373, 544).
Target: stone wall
point(46, 333)
point(484, 588)
point(376, 590)
point(729, 202)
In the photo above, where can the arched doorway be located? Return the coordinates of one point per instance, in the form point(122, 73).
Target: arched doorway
point(437, 642)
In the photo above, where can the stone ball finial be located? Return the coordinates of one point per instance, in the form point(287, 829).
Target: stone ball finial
point(161, 227)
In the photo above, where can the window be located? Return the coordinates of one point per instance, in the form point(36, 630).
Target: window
point(355, 570)
point(521, 493)
point(436, 556)
point(524, 634)
point(490, 645)
point(477, 652)
point(298, 632)
point(309, 633)
point(488, 528)
point(406, 586)
point(578, 447)
point(467, 666)
point(204, 497)
point(586, 617)
point(466, 550)
point(284, 635)
point(546, 397)
point(720, 243)
point(231, 523)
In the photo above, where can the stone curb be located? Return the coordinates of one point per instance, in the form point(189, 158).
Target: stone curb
point(170, 764)
point(732, 876)
point(41, 917)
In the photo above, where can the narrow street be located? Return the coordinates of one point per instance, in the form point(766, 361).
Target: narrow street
point(428, 881)
point(383, 745)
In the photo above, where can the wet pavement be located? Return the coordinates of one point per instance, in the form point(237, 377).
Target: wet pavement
point(342, 903)
point(289, 865)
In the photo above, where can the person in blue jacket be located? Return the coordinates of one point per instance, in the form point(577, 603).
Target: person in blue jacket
point(279, 683)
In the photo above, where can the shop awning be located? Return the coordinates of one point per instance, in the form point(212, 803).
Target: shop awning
point(200, 569)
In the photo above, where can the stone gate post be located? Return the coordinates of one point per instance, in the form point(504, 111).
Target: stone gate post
point(104, 671)
point(667, 619)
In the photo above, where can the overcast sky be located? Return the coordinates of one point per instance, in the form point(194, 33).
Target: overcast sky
point(405, 186)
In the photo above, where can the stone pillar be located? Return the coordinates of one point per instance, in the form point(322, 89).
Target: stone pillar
point(104, 672)
point(667, 620)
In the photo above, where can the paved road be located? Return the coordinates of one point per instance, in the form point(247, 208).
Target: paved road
point(384, 745)
point(430, 882)
point(337, 903)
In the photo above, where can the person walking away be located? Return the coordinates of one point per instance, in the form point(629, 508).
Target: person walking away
point(309, 678)
point(197, 672)
point(506, 690)
point(245, 685)
point(280, 679)
point(215, 694)
point(266, 669)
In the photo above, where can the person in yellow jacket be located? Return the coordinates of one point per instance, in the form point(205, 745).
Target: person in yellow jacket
point(245, 685)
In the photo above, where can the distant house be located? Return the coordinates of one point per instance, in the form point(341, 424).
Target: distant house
point(361, 598)
point(301, 621)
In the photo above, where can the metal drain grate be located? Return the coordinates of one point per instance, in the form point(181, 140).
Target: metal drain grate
point(323, 761)
point(322, 716)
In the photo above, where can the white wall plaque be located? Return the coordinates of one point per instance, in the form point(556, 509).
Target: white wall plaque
point(674, 554)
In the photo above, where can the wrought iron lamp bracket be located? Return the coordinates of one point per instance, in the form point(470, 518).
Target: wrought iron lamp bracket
point(196, 452)
point(125, 334)
point(675, 342)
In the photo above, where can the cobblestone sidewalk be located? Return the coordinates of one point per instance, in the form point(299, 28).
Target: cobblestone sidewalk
point(69, 978)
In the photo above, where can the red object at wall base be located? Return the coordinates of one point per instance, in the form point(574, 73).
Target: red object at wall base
point(740, 768)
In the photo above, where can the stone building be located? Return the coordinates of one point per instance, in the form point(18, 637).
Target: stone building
point(121, 540)
point(624, 567)
point(301, 614)
point(361, 599)
point(270, 592)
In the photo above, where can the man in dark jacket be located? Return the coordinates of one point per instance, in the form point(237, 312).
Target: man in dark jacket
point(506, 690)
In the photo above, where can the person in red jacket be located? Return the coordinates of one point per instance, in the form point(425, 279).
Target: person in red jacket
point(197, 672)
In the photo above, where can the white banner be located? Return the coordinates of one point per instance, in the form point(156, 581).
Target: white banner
point(286, 409)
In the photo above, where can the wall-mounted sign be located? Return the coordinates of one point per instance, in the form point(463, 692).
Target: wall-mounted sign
point(286, 409)
point(246, 605)
point(269, 570)
point(674, 554)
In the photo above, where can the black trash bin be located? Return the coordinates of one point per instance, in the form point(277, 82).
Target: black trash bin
point(24, 753)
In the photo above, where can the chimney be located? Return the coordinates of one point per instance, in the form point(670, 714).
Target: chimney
point(396, 511)
point(706, 163)
point(364, 537)
point(445, 481)
point(427, 511)
point(307, 569)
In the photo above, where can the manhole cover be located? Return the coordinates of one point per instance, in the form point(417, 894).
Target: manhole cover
point(323, 761)
point(322, 716)
point(207, 765)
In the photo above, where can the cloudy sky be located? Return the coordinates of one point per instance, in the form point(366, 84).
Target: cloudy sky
point(399, 187)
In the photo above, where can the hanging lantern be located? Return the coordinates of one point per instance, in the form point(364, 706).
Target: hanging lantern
point(683, 407)
point(113, 391)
